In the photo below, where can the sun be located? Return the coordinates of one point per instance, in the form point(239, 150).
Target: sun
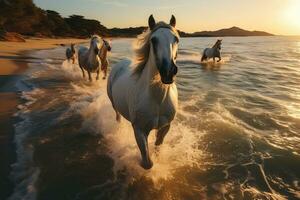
point(292, 15)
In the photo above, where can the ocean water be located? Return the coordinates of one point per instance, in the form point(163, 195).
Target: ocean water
point(236, 134)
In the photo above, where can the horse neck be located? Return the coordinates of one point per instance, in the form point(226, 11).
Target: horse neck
point(92, 57)
point(151, 80)
point(103, 52)
point(216, 46)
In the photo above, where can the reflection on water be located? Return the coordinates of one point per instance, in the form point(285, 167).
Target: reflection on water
point(236, 134)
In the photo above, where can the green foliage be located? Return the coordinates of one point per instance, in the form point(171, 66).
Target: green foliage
point(127, 32)
point(22, 16)
point(85, 27)
point(19, 15)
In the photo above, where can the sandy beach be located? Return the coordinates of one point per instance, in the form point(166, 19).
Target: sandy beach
point(13, 62)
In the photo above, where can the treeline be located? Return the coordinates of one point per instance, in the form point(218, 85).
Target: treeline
point(24, 17)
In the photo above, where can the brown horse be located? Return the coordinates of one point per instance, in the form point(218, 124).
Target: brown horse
point(103, 56)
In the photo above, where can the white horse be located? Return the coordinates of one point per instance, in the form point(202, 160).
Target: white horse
point(71, 53)
point(146, 94)
point(212, 52)
point(89, 59)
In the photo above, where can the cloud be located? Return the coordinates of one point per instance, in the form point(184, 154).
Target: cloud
point(114, 3)
point(171, 7)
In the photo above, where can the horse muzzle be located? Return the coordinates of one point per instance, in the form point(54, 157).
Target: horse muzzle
point(96, 51)
point(167, 76)
point(108, 48)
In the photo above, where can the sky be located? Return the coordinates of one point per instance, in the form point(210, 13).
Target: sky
point(280, 17)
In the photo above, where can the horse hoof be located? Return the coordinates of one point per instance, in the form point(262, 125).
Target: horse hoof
point(147, 165)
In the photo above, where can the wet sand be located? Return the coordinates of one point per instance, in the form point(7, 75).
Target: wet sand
point(13, 63)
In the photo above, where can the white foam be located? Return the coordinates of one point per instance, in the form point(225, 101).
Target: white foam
point(179, 149)
point(195, 58)
point(71, 71)
point(24, 173)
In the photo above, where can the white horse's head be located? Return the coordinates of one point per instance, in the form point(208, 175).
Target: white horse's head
point(95, 44)
point(164, 44)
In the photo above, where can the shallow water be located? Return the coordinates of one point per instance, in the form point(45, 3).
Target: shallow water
point(236, 134)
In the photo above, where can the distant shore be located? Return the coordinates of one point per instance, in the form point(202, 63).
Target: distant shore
point(14, 58)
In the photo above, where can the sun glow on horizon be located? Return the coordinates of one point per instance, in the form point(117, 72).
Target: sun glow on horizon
point(291, 15)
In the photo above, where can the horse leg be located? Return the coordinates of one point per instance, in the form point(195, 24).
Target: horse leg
point(90, 77)
point(160, 135)
point(83, 75)
point(104, 68)
point(219, 59)
point(97, 77)
point(203, 58)
point(142, 142)
point(105, 72)
point(214, 59)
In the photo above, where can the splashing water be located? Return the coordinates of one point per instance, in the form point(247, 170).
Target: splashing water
point(234, 129)
point(177, 151)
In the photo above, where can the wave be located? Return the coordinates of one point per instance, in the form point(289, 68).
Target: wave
point(24, 172)
point(219, 144)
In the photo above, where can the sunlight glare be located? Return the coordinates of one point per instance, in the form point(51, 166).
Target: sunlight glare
point(292, 14)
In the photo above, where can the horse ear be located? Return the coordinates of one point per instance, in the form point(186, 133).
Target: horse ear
point(151, 22)
point(173, 21)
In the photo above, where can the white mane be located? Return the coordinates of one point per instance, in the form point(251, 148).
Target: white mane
point(142, 46)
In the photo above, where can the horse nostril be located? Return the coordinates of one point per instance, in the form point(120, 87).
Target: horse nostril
point(96, 50)
point(175, 69)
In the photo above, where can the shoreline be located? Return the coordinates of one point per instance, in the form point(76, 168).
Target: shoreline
point(14, 59)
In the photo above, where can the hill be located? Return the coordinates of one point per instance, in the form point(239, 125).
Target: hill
point(24, 17)
point(233, 31)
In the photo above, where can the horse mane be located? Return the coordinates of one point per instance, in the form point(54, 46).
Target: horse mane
point(142, 46)
point(95, 37)
point(217, 44)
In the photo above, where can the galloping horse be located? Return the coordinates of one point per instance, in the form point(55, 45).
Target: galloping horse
point(146, 95)
point(71, 53)
point(88, 59)
point(212, 52)
point(103, 56)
